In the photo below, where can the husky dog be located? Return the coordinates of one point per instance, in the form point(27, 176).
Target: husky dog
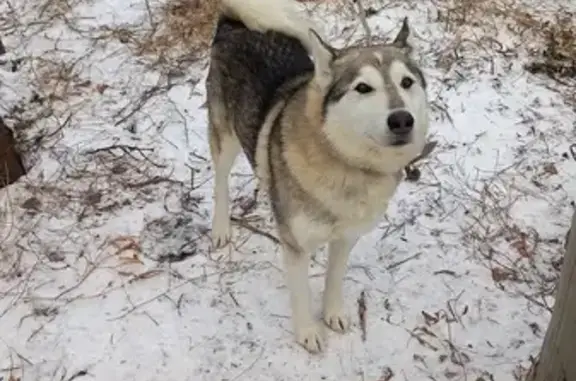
point(327, 136)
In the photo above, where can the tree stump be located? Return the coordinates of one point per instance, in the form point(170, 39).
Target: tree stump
point(557, 360)
point(11, 167)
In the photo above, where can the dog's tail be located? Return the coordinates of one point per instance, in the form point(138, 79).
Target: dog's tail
point(281, 16)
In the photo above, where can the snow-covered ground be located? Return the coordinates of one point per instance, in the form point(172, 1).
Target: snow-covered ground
point(105, 266)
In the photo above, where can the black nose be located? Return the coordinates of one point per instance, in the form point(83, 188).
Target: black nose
point(400, 122)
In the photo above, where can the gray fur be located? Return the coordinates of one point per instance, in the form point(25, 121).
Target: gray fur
point(348, 61)
point(247, 68)
point(289, 114)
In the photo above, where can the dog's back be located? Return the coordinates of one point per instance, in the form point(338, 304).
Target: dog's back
point(247, 68)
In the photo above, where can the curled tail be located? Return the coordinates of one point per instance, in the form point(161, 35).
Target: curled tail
point(281, 16)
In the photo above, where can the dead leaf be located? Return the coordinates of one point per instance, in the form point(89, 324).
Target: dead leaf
point(412, 173)
point(125, 243)
point(247, 204)
point(459, 358)
point(419, 358)
point(127, 250)
point(550, 169)
point(429, 319)
point(521, 245)
point(426, 331)
point(450, 374)
point(85, 83)
point(32, 204)
point(101, 88)
point(131, 259)
point(387, 374)
point(500, 274)
point(147, 275)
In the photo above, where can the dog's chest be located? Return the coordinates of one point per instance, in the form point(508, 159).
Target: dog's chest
point(361, 207)
point(355, 210)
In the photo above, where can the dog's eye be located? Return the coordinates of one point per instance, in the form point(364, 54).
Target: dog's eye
point(363, 88)
point(406, 83)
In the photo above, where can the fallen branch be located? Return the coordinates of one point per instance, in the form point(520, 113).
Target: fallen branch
point(123, 147)
point(362, 16)
point(362, 310)
point(396, 264)
point(242, 223)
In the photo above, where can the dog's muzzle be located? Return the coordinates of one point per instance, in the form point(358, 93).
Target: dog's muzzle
point(400, 124)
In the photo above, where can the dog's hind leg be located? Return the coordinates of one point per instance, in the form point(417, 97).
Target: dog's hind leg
point(334, 313)
point(224, 148)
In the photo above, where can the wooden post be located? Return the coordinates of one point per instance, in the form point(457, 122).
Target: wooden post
point(557, 361)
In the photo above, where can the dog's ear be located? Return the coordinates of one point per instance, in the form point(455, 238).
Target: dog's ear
point(401, 40)
point(323, 55)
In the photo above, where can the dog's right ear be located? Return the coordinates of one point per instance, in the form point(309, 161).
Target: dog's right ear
point(323, 55)
point(401, 40)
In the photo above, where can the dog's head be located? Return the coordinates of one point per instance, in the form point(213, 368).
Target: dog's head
point(375, 107)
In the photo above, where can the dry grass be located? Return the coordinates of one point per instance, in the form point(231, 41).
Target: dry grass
point(542, 39)
point(550, 42)
point(547, 37)
point(174, 34)
point(478, 13)
point(180, 27)
point(558, 58)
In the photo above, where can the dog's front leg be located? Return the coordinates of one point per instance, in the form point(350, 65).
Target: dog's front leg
point(334, 312)
point(307, 330)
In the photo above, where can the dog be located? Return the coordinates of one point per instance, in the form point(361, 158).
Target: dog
point(327, 131)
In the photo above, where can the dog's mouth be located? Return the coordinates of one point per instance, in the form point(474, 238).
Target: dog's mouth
point(399, 142)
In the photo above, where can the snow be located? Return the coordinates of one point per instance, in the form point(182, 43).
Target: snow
point(90, 278)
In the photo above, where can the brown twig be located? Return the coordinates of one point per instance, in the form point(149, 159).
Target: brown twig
point(362, 16)
point(362, 310)
point(242, 223)
point(396, 264)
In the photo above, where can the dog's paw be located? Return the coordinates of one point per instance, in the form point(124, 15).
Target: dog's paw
point(311, 337)
point(221, 233)
point(337, 319)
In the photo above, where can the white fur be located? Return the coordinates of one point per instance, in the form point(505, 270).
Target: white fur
point(334, 313)
point(361, 217)
point(277, 15)
point(415, 101)
point(221, 230)
point(306, 329)
point(357, 124)
point(355, 217)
